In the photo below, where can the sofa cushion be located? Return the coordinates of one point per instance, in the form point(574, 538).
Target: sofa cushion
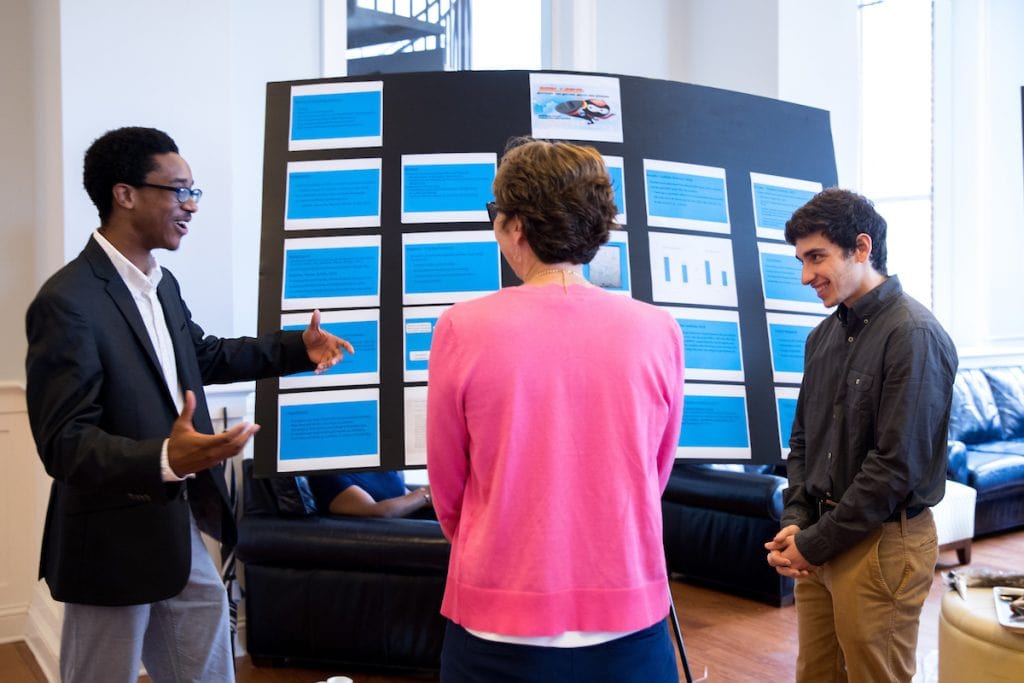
point(974, 417)
point(992, 468)
point(1007, 386)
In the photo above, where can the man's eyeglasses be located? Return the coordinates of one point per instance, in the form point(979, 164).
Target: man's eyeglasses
point(492, 211)
point(182, 194)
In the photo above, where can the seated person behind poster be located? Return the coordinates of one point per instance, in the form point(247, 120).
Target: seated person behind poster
point(367, 494)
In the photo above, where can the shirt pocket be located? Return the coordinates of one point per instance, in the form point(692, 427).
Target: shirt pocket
point(860, 406)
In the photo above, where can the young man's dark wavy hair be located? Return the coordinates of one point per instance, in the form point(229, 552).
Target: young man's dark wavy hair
point(124, 155)
point(841, 215)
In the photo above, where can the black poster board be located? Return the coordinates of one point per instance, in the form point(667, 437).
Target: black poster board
point(474, 112)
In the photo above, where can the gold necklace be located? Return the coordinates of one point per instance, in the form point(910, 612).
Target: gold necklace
point(563, 271)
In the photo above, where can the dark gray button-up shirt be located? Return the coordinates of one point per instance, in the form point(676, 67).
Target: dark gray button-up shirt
point(871, 420)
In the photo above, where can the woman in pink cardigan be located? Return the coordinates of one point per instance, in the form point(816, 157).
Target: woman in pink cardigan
point(553, 418)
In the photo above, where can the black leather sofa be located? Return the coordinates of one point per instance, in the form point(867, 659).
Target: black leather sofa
point(716, 521)
point(986, 444)
point(338, 591)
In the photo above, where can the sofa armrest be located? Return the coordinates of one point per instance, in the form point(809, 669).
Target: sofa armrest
point(956, 466)
point(363, 544)
point(741, 493)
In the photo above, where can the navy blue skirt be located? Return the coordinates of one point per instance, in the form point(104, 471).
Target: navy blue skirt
point(645, 656)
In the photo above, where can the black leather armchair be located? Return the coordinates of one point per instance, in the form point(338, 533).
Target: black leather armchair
point(716, 522)
point(331, 590)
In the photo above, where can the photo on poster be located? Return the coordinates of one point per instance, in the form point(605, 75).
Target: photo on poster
point(785, 403)
point(333, 193)
point(686, 197)
point(418, 325)
point(416, 426)
point(336, 115)
point(781, 275)
point(447, 188)
point(361, 328)
point(617, 173)
point(714, 423)
point(692, 269)
point(575, 107)
point(328, 430)
point(447, 267)
point(775, 200)
point(712, 349)
point(609, 269)
point(331, 272)
point(787, 335)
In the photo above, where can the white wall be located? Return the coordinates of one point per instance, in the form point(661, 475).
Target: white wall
point(802, 51)
point(979, 182)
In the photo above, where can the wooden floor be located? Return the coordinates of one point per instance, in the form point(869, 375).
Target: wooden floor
point(734, 639)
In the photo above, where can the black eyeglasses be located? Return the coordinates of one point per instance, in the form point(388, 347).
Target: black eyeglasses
point(492, 211)
point(182, 194)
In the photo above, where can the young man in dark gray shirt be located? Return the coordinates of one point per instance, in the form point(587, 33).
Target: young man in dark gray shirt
point(867, 452)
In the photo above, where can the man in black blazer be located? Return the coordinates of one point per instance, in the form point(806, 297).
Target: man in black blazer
point(115, 376)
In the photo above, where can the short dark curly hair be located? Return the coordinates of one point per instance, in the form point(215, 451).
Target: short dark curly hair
point(563, 195)
point(841, 215)
point(124, 155)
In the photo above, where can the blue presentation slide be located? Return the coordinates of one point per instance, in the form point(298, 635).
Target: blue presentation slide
point(773, 204)
point(341, 193)
point(441, 188)
point(363, 335)
point(449, 267)
point(781, 278)
point(714, 422)
point(331, 272)
point(787, 346)
point(615, 173)
point(336, 115)
point(419, 333)
point(787, 411)
point(711, 344)
point(686, 196)
point(328, 430)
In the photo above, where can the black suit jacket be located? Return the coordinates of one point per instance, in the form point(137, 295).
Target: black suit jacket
point(100, 410)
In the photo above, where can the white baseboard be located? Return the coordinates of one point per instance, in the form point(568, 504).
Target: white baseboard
point(12, 623)
point(42, 631)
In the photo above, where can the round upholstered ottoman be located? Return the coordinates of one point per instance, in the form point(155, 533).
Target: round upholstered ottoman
point(973, 645)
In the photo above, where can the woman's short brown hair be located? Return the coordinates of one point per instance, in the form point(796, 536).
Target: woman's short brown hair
point(563, 195)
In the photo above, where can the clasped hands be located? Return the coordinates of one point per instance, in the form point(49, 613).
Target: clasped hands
point(785, 556)
point(189, 451)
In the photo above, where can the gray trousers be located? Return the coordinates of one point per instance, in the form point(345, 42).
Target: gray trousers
point(184, 638)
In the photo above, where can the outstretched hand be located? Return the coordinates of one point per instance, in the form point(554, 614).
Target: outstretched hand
point(323, 348)
point(189, 451)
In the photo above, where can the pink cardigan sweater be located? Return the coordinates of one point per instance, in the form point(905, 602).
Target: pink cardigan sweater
point(553, 419)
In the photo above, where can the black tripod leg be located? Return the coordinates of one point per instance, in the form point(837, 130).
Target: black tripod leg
point(679, 640)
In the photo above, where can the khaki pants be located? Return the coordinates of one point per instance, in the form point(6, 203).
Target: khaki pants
point(858, 614)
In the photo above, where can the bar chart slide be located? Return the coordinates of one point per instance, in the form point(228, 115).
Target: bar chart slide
point(691, 269)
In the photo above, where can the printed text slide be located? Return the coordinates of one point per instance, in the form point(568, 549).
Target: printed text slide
point(447, 267)
point(331, 272)
point(336, 115)
point(338, 193)
point(714, 423)
point(328, 430)
point(781, 276)
point(686, 196)
point(711, 343)
point(447, 188)
point(775, 200)
point(361, 328)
